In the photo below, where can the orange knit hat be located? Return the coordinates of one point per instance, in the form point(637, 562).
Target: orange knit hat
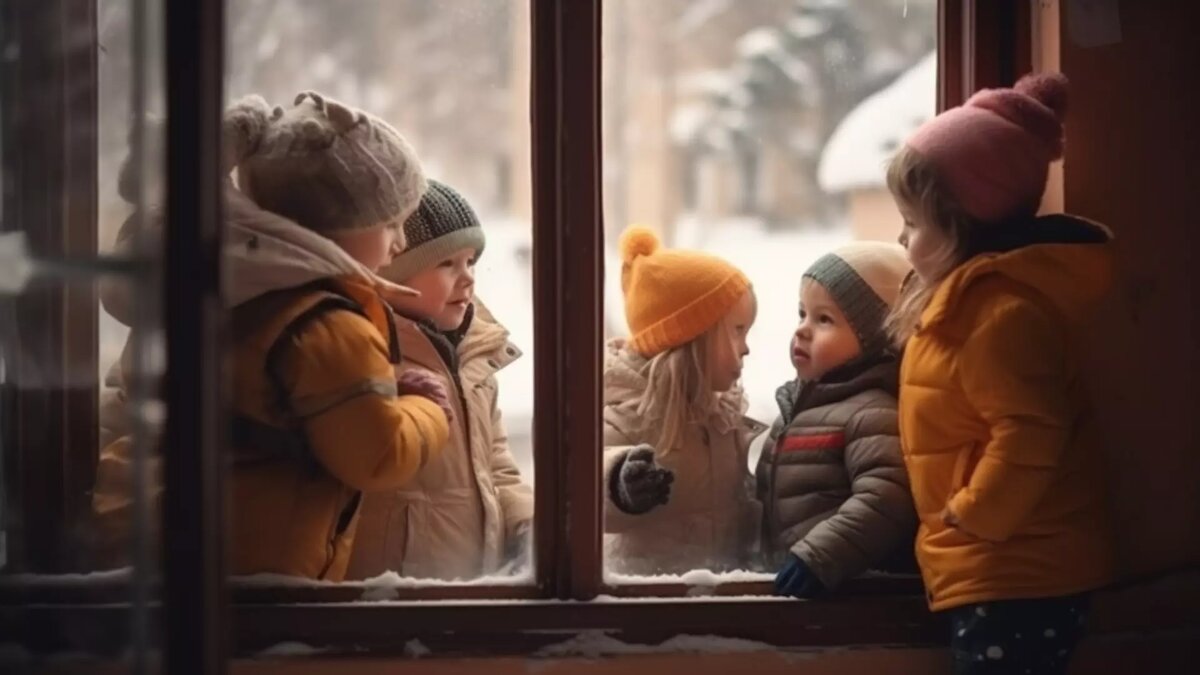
point(673, 296)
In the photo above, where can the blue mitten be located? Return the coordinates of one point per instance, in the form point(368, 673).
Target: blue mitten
point(797, 580)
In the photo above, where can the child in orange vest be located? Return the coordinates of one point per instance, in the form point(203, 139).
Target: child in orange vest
point(993, 413)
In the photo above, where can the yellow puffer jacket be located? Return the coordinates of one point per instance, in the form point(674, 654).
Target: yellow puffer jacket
point(316, 416)
point(994, 422)
point(331, 375)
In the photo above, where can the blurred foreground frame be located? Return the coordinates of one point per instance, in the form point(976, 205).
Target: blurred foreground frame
point(51, 196)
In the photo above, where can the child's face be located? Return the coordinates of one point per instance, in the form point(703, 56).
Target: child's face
point(926, 244)
point(373, 247)
point(728, 347)
point(447, 290)
point(824, 339)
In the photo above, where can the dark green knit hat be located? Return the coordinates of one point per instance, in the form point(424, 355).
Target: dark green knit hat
point(864, 279)
point(443, 224)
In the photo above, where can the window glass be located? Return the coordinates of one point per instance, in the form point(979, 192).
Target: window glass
point(453, 80)
point(758, 132)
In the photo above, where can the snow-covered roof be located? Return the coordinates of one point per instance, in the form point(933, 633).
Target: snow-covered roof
point(857, 152)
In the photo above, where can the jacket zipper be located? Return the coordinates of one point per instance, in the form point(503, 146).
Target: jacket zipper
point(771, 521)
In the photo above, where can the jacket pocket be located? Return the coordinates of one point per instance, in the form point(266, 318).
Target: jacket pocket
point(396, 546)
point(336, 541)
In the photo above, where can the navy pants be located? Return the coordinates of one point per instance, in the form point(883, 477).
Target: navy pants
point(1021, 637)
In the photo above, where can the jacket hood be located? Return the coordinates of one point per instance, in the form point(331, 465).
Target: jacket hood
point(1066, 259)
point(266, 252)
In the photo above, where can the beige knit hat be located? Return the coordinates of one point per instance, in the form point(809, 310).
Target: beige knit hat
point(322, 164)
point(864, 280)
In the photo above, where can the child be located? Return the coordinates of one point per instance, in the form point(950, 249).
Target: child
point(831, 477)
point(318, 417)
point(467, 513)
point(669, 391)
point(993, 413)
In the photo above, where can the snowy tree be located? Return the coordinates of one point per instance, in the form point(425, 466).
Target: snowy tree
point(793, 80)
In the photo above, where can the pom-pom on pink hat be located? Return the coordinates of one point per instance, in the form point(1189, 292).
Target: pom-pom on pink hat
point(993, 153)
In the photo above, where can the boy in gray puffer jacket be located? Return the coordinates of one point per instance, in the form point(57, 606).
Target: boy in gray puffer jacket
point(831, 477)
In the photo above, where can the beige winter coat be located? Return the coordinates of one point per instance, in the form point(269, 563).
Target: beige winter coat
point(712, 519)
point(458, 518)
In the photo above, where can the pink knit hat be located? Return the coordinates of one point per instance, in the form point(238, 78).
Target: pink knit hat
point(994, 151)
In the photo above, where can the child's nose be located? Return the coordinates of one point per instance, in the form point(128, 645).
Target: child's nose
point(903, 239)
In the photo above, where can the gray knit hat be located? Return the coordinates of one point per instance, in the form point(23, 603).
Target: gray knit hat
point(443, 224)
point(864, 280)
point(322, 164)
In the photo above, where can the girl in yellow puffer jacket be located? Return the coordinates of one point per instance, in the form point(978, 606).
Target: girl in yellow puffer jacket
point(993, 414)
point(319, 413)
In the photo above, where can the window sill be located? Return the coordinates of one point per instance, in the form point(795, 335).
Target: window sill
point(467, 626)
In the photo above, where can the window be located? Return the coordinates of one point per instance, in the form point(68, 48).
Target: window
point(758, 133)
point(541, 53)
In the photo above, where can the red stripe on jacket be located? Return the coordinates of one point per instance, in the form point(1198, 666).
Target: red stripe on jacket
point(831, 441)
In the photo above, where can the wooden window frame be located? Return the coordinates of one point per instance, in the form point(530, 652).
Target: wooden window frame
point(981, 43)
point(50, 193)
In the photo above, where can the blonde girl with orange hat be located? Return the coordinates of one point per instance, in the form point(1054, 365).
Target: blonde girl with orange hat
point(676, 478)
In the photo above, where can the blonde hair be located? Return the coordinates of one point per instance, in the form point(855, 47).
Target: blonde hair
point(914, 182)
point(678, 391)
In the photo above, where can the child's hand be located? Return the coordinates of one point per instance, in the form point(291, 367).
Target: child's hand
point(640, 484)
point(797, 580)
point(415, 382)
point(949, 517)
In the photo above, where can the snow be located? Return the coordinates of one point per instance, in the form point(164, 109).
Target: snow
point(414, 649)
point(688, 121)
point(701, 578)
point(122, 574)
point(596, 644)
point(707, 82)
point(384, 587)
point(807, 27)
point(698, 14)
point(759, 42)
point(767, 43)
point(290, 649)
point(387, 586)
point(857, 152)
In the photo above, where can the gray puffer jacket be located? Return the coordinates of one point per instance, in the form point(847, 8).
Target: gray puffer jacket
point(831, 476)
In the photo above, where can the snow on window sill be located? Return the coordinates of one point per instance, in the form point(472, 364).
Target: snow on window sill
point(596, 644)
point(386, 586)
point(695, 578)
point(120, 575)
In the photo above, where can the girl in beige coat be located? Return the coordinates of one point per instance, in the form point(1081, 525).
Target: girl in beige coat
point(676, 441)
point(469, 512)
